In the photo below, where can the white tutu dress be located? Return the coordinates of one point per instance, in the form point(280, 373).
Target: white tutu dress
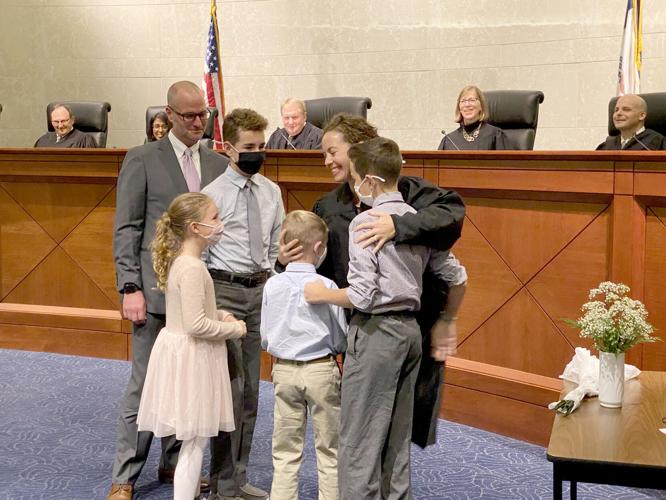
point(187, 390)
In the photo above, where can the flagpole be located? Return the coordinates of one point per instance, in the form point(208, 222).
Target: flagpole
point(213, 13)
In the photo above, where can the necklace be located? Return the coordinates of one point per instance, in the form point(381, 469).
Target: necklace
point(471, 137)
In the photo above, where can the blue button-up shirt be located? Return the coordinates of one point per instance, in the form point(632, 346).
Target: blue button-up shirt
point(293, 329)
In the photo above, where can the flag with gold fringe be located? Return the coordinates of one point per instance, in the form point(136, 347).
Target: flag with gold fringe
point(631, 55)
point(213, 86)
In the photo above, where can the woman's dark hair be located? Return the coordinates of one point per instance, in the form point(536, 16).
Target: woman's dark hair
point(162, 117)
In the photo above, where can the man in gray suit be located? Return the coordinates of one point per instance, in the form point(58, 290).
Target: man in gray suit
point(152, 175)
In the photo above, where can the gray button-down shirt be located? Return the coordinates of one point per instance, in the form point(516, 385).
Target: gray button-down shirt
point(232, 253)
point(392, 279)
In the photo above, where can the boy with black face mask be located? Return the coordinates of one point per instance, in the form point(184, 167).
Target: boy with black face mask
point(251, 209)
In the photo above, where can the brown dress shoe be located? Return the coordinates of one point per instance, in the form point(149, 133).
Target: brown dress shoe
point(121, 492)
point(166, 476)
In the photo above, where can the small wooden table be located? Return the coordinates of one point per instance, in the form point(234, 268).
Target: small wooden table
point(613, 446)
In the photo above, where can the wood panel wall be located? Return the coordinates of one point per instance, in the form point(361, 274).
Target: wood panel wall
point(542, 228)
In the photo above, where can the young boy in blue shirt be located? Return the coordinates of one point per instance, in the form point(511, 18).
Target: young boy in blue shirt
point(384, 339)
point(304, 339)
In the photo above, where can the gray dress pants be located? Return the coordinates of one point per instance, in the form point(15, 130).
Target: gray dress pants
point(230, 451)
point(381, 365)
point(132, 446)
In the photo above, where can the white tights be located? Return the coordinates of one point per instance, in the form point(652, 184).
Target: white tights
point(188, 469)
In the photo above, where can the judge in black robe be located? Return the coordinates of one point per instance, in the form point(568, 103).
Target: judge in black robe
point(629, 118)
point(437, 224)
point(74, 139)
point(489, 137)
point(474, 133)
point(647, 140)
point(308, 138)
point(64, 135)
point(296, 133)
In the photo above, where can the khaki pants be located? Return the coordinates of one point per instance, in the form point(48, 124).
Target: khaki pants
point(299, 386)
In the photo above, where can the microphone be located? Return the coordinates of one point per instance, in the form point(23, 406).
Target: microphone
point(446, 136)
point(285, 138)
point(640, 142)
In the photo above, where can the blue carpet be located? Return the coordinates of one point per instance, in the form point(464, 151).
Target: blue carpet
point(57, 441)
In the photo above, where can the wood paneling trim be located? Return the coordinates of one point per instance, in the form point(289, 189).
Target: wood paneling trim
point(61, 317)
point(497, 414)
point(98, 344)
point(506, 382)
point(532, 180)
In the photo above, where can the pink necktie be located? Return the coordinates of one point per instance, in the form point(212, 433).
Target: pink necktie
point(190, 172)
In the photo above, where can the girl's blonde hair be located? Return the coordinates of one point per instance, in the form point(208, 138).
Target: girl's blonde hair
point(171, 229)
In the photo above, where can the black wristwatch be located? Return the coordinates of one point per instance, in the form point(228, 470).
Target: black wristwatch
point(130, 288)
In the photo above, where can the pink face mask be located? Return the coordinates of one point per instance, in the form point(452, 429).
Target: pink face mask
point(215, 235)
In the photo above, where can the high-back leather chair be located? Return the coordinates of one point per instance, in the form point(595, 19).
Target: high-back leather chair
point(656, 113)
point(321, 110)
point(516, 112)
point(92, 117)
point(209, 130)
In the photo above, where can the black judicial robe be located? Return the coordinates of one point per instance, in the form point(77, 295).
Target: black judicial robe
point(490, 137)
point(442, 214)
point(75, 139)
point(651, 140)
point(309, 138)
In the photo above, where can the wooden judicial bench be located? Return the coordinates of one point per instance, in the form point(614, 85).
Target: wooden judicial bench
point(542, 228)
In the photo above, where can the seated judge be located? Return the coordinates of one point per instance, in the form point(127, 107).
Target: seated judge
point(629, 118)
point(159, 126)
point(474, 133)
point(297, 132)
point(65, 135)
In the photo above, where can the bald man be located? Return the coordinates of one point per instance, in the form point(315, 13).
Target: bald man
point(152, 175)
point(297, 132)
point(629, 118)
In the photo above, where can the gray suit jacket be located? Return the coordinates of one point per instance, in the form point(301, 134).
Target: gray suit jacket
point(148, 182)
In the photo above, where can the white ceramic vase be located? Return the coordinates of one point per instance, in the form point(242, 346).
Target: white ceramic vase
point(611, 379)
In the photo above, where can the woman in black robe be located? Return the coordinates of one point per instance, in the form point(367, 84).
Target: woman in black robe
point(474, 132)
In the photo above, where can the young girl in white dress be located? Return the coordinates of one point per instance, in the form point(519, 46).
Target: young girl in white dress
point(187, 390)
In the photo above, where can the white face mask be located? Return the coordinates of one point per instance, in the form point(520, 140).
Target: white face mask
point(322, 258)
point(215, 235)
point(366, 199)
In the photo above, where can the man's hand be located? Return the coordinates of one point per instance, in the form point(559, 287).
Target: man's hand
point(289, 251)
point(243, 328)
point(443, 339)
point(134, 307)
point(313, 292)
point(377, 232)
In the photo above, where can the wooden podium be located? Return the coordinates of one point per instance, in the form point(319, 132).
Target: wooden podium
point(542, 228)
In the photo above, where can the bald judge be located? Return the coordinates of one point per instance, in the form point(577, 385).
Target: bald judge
point(64, 135)
point(629, 118)
point(297, 132)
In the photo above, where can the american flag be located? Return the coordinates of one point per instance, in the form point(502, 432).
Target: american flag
point(213, 86)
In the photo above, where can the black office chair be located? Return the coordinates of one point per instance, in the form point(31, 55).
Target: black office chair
point(92, 117)
point(516, 112)
point(209, 130)
point(321, 110)
point(656, 113)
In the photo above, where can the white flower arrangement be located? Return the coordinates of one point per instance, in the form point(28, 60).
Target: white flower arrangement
point(614, 322)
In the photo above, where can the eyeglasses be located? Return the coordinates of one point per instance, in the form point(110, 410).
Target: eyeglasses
point(58, 122)
point(190, 117)
point(469, 100)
